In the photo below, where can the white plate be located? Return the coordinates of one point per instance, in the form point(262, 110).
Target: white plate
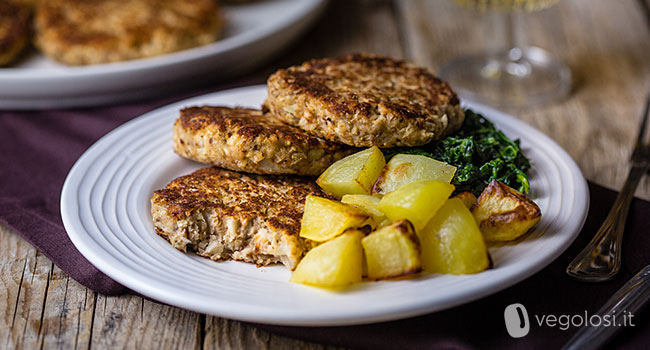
point(253, 33)
point(106, 211)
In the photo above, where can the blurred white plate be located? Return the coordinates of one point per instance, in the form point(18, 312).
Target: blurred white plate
point(253, 32)
point(106, 211)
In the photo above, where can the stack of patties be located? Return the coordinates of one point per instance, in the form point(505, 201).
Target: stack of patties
point(77, 32)
point(315, 114)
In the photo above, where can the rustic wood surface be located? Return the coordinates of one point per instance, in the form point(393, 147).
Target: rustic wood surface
point(606, 43)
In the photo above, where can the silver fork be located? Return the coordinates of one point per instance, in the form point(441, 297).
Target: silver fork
point(601, 258)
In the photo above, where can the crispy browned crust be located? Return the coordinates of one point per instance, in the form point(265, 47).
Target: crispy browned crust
point(281, 199)
point(248, 140)
point(246, 123)
point(15, 30)
point(468, 198)
point(100, 31)
point(365, 100)
point(527, 209)
point(253, 218)
point(407, 229)
point(503, 213)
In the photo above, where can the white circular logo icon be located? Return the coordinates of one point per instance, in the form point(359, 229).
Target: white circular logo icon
point(517, 322)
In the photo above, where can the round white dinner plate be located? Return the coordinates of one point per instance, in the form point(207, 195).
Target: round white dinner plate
point(105, 206)
point(253, 32)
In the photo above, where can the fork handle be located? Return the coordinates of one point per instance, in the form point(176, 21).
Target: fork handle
point(601, 258)
point(626, 302)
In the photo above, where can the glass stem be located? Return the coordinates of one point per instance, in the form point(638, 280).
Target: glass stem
point(517, 64)
point(508, 49)
point(514, 33)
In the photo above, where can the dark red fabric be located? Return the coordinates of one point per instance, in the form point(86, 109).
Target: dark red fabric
point(37, 149)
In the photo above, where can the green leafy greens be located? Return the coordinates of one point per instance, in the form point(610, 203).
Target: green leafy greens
point(480, 153)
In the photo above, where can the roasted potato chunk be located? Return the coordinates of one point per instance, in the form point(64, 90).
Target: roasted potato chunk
point(333, 264)
point(354, 174)
point(392, 251)
point(404, 169)
point(452, 243)
point(468, 198)
point(416, 202)
point(503, 213)
point(368, 204)
point(324, 219)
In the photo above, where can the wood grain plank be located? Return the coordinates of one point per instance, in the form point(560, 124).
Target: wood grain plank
point(68, 313)
point(14, 253)
point(221, 333)
point(27, 320)
point(132, 322)
point(604, 43)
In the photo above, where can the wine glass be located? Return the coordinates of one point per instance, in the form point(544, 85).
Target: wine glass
point(514, 74)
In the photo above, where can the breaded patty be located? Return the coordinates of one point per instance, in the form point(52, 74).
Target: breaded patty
point(248, 140)
point(15, 30)
point(100, 31)
point(365, 100)
point(221, 214)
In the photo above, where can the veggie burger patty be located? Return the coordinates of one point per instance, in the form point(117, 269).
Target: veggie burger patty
point(100, 31)
point(15, 28)
point(365, 100)
point(249, 140)
point(222, 214)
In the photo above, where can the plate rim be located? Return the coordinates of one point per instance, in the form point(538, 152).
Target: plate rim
point(581, 199)
point(247, 45)
point(161, 61)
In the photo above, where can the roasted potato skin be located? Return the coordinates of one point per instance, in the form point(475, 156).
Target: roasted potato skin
point(368, 204)
point(334, 264)
point(468, 198)
point(452, 242)
point(503, 213)
point(324, 219)
point(354, 174)
point(416, 202)
point(392, 251)
point(404, 169)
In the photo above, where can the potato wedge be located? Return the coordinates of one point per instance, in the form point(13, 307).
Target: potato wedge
point(416, 202)
point(468, 198)
point(354, 174)
point(392, 251)
point(503, 213)
point(404, 169)
point(452, 243)
point(368, 204)
point(324, 219)
point(333, 264)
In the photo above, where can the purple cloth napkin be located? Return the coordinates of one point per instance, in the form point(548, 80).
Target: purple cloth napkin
point(37, 149)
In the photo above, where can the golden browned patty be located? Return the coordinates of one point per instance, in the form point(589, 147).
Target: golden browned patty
point(15, 29)
point(365, 100)
point(100, 31)
point(248, 140)
point(221, 214)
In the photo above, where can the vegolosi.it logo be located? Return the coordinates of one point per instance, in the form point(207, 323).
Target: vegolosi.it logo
point(517, 322)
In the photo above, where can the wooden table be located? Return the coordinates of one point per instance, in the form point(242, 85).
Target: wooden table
point(606, 43)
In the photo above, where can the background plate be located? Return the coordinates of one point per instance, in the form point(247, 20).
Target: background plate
point(253, 33)
point(105, 206)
